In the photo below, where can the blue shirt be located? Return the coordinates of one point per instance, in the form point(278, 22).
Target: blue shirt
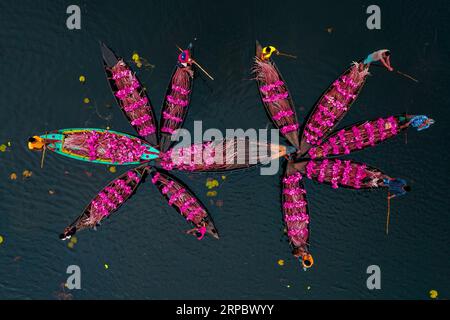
point(417, 121)
point(396, 186)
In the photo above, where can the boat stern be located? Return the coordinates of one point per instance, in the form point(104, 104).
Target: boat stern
point(212, 231)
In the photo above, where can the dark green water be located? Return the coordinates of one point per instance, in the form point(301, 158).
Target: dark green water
point(145, 247)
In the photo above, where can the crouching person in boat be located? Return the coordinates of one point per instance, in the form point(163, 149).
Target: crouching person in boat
point(199, 231)
point(266, 52)
point(421, 122)
point(397, 187)
point(185, 62)
point(384, 56)
point(68, 233)
point(36, 143)
point(184, 59)
point(302, 254)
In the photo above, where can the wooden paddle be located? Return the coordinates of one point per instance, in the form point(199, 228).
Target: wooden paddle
point(398, 72)
point(43, 152)
point(198, 65)
point(43, 156)
point(407, 76)
point(388, 213)
point(286, 55)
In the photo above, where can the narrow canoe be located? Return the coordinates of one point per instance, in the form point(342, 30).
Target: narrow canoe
point(107, 201)
point(347, 174)
point(276, 98)
point(130, 95)
point(176, 101)
point(112, 148)
point(362, 135)
point(296, 213)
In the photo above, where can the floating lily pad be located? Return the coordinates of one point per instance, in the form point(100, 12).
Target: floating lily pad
point(211, 183)
point(27, 174)
point(211, 194)
point(433, 294)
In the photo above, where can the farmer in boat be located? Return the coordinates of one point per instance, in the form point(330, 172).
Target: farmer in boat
point(302, 253)
point(68, 233)
point(267, 52)
point(184, 59)
point(397, 187)
point(421, 122)
point(384, 56)
point(199, 232)
point(36, 143)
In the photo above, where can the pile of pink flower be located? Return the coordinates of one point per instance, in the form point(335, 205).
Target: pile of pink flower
point(295, 209)
point(357, 137)
point(189, 158)
point(189, 207)
point(117, 148)
point(342, 172)
point(125, 92)
point(289, 128)
point(283, 114)
point(276, 97)
point(112, 197)
point(177, 101)
point(271, 86)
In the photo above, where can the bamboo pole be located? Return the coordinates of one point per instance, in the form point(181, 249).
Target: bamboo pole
point(198, 65)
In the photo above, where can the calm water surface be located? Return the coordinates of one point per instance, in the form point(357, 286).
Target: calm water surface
point(145, 247)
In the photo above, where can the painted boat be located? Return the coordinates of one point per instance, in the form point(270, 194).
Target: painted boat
point(333, 105)
point(176, 101)
point(363, 135)
point(183, 200)
point(222, 155)
point(107, 201)
point(343, 174)
point(296, 214)
point(276, 97)
point(100, 146)
point(130, 95)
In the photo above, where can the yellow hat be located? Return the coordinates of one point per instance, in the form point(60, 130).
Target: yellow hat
point(36, 143)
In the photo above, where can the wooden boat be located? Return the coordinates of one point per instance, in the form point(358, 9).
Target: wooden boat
point(176, 101)
point(333, 105)
point(222, 155)
point(107, 201)
point(130, 95)
point(361, 136)
point(179, 196)
point(343, 173)
point(276, 97)
point(110, 147)
point(296, 214)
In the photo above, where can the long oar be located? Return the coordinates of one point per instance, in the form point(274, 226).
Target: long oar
point(43, 156)
point(388, 213)
point(407, 76)
point(286, 55)
point(198, 65)
point(398, 72)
